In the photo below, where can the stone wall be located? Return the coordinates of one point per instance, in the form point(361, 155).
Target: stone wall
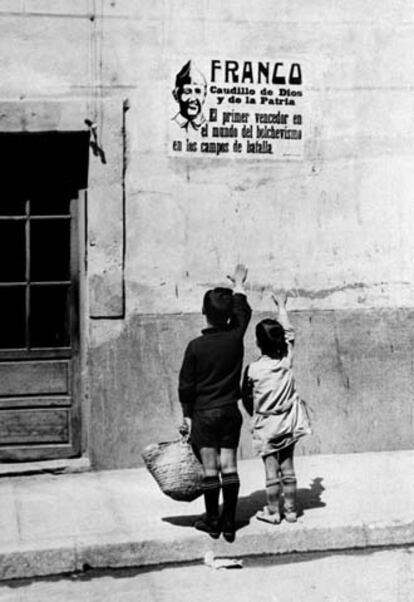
point(334, 228)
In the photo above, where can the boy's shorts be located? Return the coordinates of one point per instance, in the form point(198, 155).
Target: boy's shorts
point(218, 427)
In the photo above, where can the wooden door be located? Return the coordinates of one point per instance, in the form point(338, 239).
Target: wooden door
point(39, 303)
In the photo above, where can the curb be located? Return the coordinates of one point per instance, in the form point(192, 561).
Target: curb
point(121, 551)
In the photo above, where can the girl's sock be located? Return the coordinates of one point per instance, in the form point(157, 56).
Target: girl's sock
point(289, 491)
point(273, 490)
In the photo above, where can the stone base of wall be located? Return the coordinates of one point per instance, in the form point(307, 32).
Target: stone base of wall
point(354, 369)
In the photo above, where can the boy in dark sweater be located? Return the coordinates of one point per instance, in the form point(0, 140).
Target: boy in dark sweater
point(209, 389)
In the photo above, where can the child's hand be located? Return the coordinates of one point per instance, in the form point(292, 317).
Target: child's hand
point(280, 299)
point(239, 276)
point(185, 428)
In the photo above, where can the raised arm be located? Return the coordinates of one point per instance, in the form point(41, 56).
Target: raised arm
point(241, 309)
point(280, 301)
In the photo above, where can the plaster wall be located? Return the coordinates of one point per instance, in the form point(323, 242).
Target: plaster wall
point(353, 371)
point(334, 228)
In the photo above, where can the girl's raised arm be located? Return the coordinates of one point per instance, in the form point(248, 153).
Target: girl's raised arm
point(280, 301)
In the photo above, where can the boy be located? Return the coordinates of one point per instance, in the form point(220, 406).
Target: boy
point(209, 389)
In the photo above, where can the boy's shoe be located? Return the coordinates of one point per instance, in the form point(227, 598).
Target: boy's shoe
point(208, 525)
point(228, 529)
point(266, 516)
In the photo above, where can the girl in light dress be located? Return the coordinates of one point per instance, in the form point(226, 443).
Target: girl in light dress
point(279, 416)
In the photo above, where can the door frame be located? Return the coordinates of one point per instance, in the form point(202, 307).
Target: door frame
point(77, 368)
point(105, 195)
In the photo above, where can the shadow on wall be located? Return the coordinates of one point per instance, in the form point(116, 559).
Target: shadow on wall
point(307, 499)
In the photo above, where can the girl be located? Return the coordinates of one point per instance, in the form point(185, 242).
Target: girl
point(279, 416)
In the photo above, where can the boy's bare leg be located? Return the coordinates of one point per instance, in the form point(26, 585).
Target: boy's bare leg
point(273, 486)
point(211, 461)
point(230, 484)
point(211, 489)
point(228, 460)
point(289, 482)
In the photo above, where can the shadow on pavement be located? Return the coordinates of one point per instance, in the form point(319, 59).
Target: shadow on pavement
point(307, 499)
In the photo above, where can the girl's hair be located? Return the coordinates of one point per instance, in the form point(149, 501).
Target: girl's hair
point(270, 337)
point(218, 306)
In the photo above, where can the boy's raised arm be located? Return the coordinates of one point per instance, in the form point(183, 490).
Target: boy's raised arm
point(241, 309)
point(239, 278)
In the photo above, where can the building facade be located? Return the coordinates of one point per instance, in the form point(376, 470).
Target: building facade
point(121, 206)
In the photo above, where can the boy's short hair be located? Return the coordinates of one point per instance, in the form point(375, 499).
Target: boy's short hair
point(271, 339)
point(218, 306)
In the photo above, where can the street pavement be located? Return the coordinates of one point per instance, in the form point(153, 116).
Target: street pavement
point(375, 575)
point(52, 524)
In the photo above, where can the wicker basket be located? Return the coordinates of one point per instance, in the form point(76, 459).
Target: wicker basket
point(175, 468)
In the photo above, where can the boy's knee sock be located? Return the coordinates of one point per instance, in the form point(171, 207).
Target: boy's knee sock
point(289, 491)
point(211, 490)
point(230, 484)
point(273, 490)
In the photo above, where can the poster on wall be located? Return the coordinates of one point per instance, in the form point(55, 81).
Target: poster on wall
point(244, 108)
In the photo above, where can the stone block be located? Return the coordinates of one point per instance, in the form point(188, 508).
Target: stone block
point(65, 8)
point(12, 6)
point(106, 294)
point(105, 215)
point(31, 562)
point(43, 115)
point(387, 533)
point(131, 52)
point(50, 55)
point(322, 11)
point(130, 9)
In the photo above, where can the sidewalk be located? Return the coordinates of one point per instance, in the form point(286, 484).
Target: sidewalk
point(54, 524)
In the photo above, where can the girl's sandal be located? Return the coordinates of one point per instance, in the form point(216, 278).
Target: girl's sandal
point(291, 516)
point(268, 517)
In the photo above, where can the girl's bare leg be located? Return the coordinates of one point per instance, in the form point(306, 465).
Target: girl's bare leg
point(273, 486)
point(289, 482)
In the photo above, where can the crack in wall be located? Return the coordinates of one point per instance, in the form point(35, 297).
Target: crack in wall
point(312, 293)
